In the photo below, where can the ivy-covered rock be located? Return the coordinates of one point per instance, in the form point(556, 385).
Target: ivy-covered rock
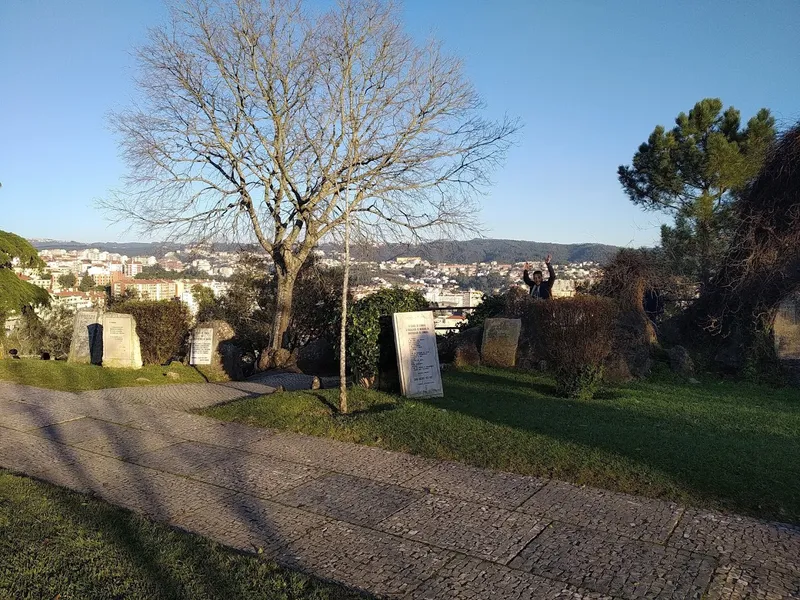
point(364, 328)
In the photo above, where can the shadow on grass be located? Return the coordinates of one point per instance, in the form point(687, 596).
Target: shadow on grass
point(78, 546)
point(65, 544)
point(739, 457)
point(199, 372)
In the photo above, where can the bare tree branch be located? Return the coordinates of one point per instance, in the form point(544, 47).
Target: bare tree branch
point(261, 119)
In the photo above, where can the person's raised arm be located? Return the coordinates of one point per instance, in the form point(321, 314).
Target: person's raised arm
point(550, 270)
point(525, 277)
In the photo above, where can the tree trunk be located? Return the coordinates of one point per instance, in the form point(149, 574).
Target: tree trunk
point(285, 280)
point(704, 241)
point(343, 330)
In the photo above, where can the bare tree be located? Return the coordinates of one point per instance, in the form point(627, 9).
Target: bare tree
point(262, 119)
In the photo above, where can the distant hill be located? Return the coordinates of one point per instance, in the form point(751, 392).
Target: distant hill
point(465, 252)
point(127, 248)
point(487, 250)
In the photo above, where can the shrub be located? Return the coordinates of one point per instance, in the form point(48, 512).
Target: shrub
point(575, 336)
point(316, 305)
point(491, 306)
point(249, 304)
point(162, 327)
point(364, 327)
point(50, 331)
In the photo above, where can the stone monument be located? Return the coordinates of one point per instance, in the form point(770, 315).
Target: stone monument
point(87, 338)
point(121, 346)
point(201, 346)
point(212, 347)
point(417, 355)
point(787, 329)
point(500, 338)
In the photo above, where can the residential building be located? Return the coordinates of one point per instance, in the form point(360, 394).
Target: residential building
point(146, 289)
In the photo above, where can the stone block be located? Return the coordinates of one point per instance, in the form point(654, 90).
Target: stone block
point(500, 339)
point(87, 338)
point(121, 347)
point(220, 355)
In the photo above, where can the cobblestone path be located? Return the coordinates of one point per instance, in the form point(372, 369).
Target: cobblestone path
point(392, 524)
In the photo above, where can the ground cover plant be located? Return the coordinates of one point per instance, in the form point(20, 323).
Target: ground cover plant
point(716, 443)
point(74, 377)
point(55, 543)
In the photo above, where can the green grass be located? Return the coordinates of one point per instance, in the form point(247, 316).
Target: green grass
point(717, 444)
point(72, 377)
point(60, 544)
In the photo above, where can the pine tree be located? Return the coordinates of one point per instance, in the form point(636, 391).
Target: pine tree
point(696, 171)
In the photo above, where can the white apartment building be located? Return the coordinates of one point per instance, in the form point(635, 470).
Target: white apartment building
point(131, 269)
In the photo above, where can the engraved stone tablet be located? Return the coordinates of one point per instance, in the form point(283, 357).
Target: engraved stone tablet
point(417, 355)
point(120, 343)
point(500, 338)
point(202, 346)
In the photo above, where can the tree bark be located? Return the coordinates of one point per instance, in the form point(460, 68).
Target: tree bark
point(343, 330)
point(284, 279)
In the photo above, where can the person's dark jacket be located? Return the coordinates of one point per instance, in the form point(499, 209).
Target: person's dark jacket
point(543, 290)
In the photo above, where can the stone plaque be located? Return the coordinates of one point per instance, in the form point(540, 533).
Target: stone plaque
point(120, 343)
point(500, 338)
point(417, 355)
point(87, 338)
point(202, 346)
point(787, 329)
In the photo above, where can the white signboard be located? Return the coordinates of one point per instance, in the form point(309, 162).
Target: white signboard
point(417, 354)
point(202, 346)
point(120, 343)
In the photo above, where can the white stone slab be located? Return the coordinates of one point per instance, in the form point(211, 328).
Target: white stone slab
point(417, 354)
point(120, 342)
point(202, 346)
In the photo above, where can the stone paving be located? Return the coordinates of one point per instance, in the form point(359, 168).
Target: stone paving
point(395, 525)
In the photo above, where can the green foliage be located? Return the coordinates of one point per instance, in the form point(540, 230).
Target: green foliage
point(87, 283)
point(575, 336)
point(491, 307)
point(162, 327)
point(16, 294)
point(364, 328)
point(51, 332)
point(206, 301)
point(67, 280)
point(247, 306)
point(316, 304)
point(13, 247)
point(695, 171)
point(581, 382)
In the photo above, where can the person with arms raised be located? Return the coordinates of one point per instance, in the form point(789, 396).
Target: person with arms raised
point(539, 288)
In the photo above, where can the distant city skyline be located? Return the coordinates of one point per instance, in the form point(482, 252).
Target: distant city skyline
point(588, 80)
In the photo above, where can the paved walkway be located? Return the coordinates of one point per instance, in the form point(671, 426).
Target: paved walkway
point(392, 524)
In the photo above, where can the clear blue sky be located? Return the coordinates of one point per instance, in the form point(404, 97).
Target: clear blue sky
point(589, 80)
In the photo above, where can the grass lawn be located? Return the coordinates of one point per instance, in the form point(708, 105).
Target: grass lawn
point(718, 444)
point(60, 544)
point(72, 377)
